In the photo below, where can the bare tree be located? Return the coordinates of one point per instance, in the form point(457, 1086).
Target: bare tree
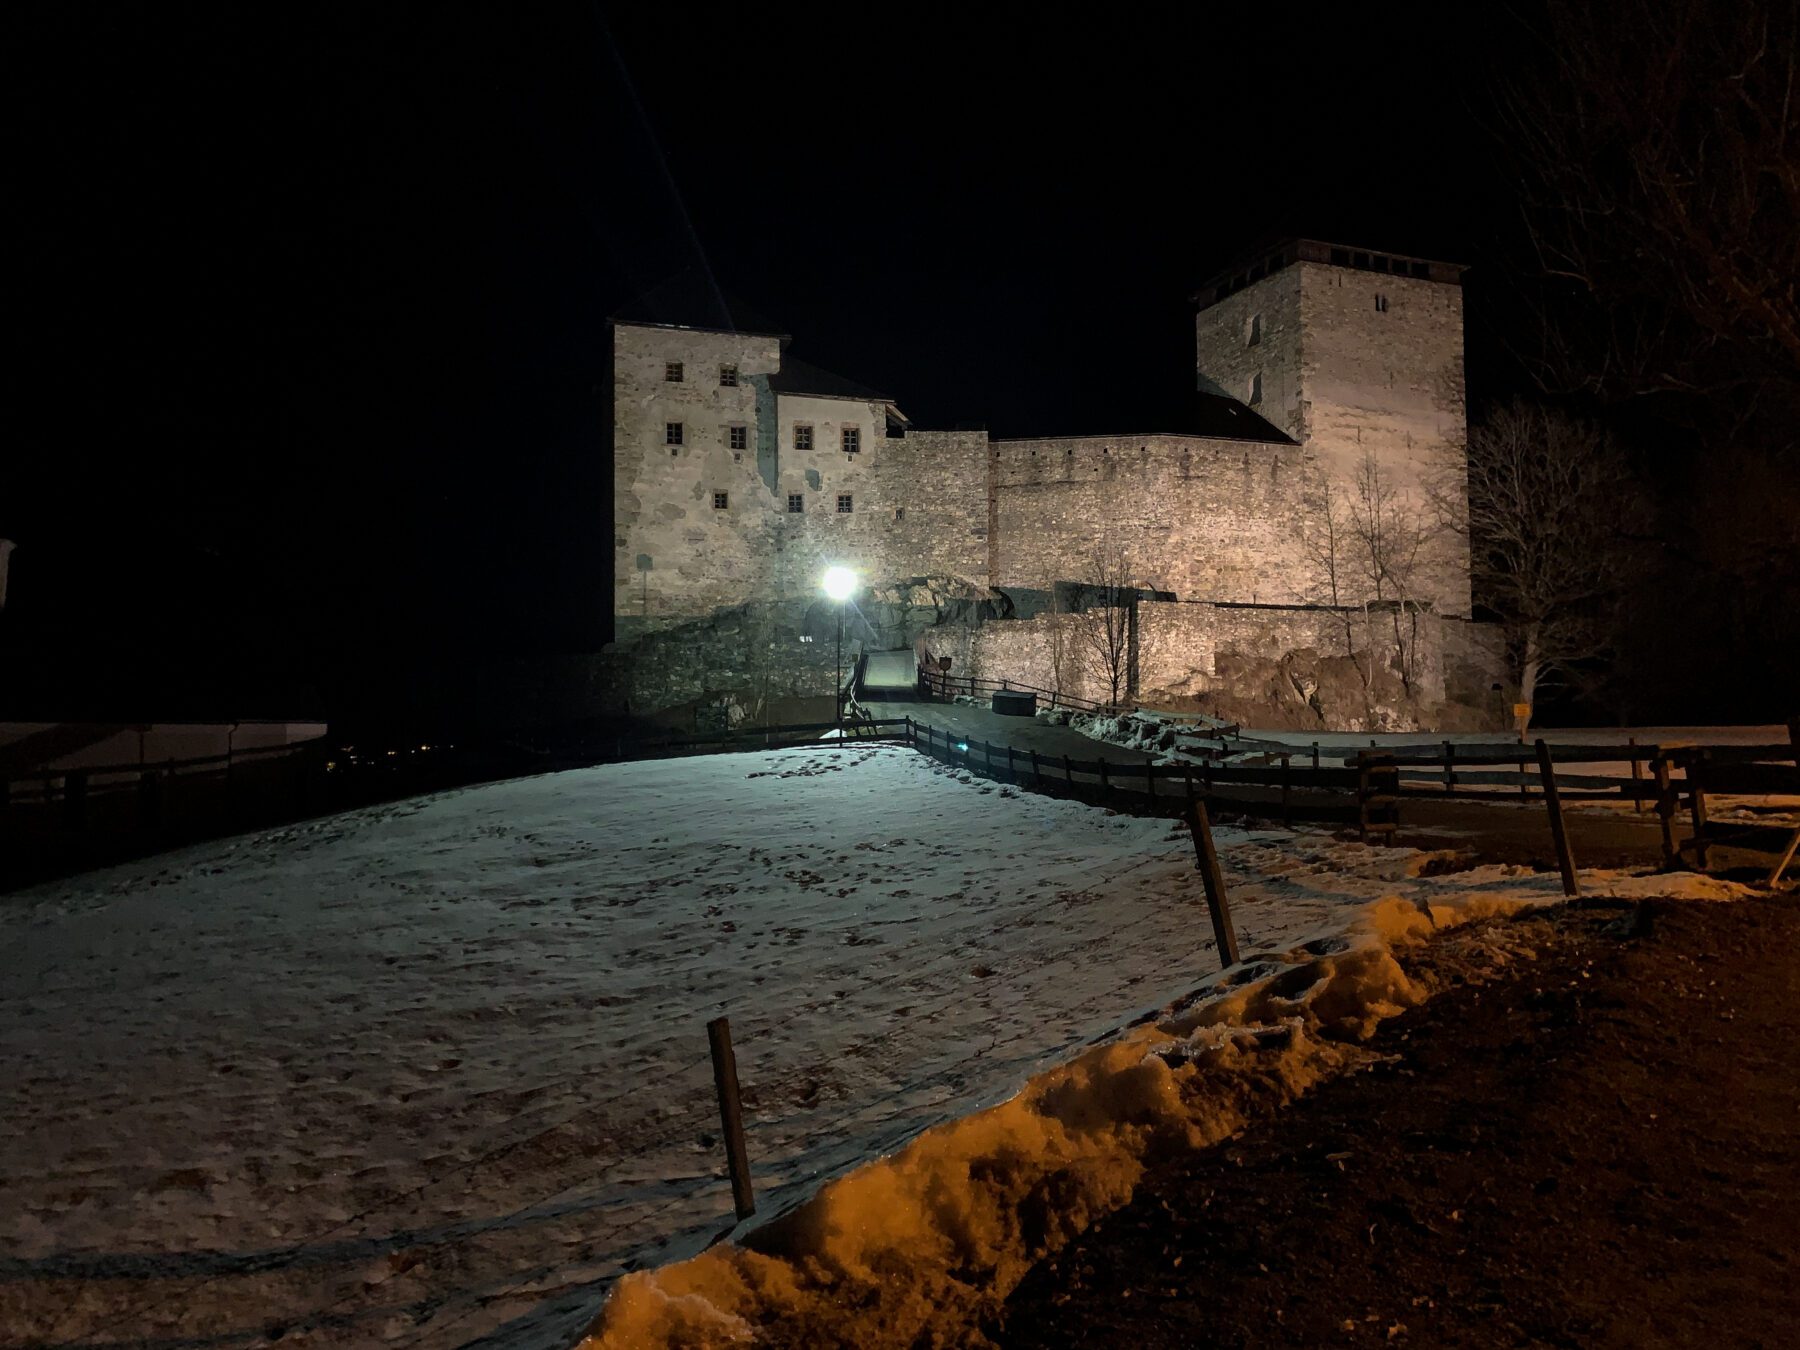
point(1325, 539)
point(1105, 631)
point(1658, 142)
point(1058, 626)
point(1389, 536)
point(1550, 512)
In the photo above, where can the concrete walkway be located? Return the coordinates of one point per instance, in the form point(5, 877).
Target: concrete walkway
point(1023, 734)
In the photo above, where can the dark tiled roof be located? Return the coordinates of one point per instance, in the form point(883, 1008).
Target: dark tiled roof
point(691, 300)
point(798, 377)
point(1222, 416)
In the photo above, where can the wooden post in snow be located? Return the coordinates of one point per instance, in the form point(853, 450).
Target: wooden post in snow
point(1697, 805)
point(731, 1114)
point(1637, 778)
point(1206, 862)
point(1558, 830)
point(1665, 808)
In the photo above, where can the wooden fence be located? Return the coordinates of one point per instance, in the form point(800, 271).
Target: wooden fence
point(57, 820)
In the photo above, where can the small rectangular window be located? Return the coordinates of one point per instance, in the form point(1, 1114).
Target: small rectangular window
point(740, 437)
point(1256, 389)
point(802, 437)
point(796, 503)
point(845, 503)
point(1381, 304)
point(899, 513)
point(672, 433)
point(852, 440)
point(721, 500)
point(1255, 334)
point(672, 372)
point(728, 377)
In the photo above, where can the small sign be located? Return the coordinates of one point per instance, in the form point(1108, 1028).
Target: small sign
point(1522, 710)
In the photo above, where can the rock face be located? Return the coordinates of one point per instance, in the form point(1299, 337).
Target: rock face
point(736, 662)
point(1305, 691)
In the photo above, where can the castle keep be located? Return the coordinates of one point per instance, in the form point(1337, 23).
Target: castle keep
point(741, 473)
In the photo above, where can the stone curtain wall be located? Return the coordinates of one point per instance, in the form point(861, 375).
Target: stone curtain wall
point(932, 488)
point(1225, 357)
point(1178, 645)
point(1205, 519)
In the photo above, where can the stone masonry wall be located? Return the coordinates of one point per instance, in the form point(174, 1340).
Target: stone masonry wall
point(672, 552)
point(917, 505)
point(1226, 356)
point(1205, 519)
point(1382, 361)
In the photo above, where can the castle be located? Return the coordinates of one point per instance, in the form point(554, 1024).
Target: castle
point(741, 473)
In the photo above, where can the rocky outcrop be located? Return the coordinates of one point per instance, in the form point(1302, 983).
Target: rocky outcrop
point(736, 662)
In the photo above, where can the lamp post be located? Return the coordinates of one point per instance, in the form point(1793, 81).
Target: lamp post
point(840, 584)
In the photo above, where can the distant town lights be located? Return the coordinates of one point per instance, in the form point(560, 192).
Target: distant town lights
point(840, 583)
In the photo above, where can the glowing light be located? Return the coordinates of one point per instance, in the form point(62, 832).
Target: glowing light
point(840, 583)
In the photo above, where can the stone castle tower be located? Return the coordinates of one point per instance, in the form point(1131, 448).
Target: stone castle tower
point(1353, 354)
point(740, 473)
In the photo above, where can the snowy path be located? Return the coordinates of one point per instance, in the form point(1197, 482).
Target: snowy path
point(435, 1072)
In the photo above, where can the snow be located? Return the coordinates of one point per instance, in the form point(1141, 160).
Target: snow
point(437, 1070)
point(912, 1249)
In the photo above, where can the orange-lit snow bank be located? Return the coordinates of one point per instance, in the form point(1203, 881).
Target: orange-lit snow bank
point(909, 1249)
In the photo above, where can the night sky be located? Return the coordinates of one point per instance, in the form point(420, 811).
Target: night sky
point(314, 300)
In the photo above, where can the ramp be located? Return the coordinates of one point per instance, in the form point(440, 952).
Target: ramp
point(891, 675)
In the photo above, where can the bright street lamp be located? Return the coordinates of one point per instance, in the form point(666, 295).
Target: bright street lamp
point(840, 585)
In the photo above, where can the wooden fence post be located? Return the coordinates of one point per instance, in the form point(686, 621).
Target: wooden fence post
point(1037, 772)
point(1286, 793)
point(1315, 756)
point(1104, 785)
point(1637, 778)
point(1011, 776)
point(1069, 773)
point(1786, 858)
point(1206, 862)
point(1449, 767)
point(1150, 778)
point(1665, 808)
point(1697, 805)
point(1558, 831)
point(731, 1114)
point(1362, 796)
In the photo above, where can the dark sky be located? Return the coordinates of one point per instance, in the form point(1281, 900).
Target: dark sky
point(313, 299)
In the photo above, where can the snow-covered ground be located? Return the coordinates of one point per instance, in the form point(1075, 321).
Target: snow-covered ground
point(436, 1071)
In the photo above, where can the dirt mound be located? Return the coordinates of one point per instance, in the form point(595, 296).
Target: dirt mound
point(1598, 1146)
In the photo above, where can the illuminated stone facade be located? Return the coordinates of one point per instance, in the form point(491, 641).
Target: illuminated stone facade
point(738, 480)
